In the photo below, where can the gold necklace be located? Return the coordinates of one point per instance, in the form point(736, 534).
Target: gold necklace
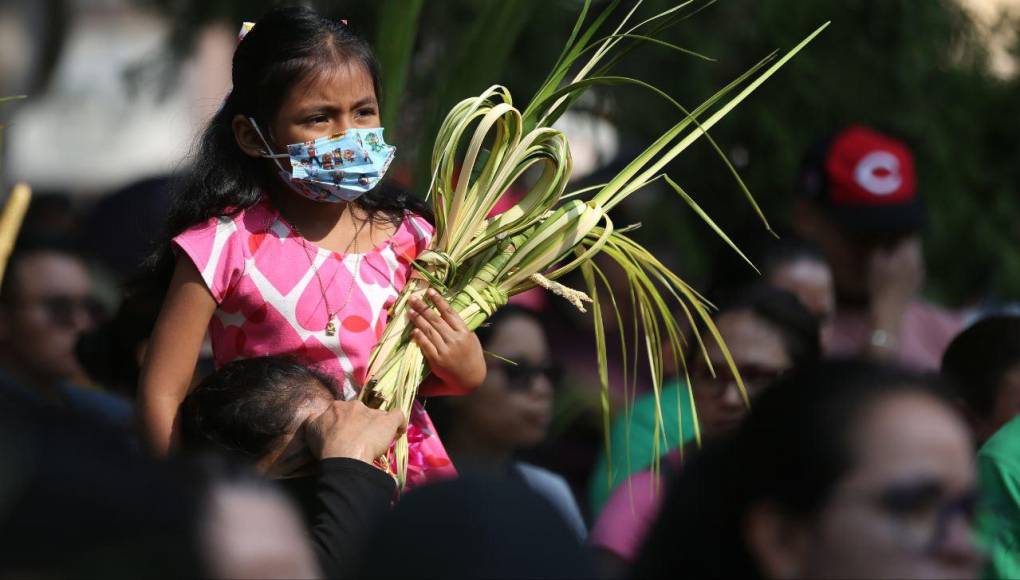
point(331, 320)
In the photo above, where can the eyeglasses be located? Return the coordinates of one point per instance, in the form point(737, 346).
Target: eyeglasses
point(521, 376)
point(922, 513)
point(62, 309)
point(755, 381)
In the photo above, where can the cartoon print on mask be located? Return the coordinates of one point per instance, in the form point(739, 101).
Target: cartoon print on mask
point(345, 170)
point(373, 143)
point(313, 159)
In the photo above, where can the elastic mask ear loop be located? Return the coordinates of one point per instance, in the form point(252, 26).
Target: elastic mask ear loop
point(268, 154)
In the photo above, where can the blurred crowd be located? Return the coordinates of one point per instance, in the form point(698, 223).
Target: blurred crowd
point(866, 432)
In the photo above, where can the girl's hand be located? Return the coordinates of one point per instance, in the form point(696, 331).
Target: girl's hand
point(452, 351)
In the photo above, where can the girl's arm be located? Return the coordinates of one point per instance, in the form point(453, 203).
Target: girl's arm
point(173, 353)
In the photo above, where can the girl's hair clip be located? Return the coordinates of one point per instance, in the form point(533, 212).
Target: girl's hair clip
point(245, 29)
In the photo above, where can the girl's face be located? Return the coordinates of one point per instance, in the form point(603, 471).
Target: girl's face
point(512, 408)
point(328, 103)
point(319, 106)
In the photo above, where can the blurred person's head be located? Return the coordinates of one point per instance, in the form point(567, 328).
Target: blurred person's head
point(119, 229)
point(247, 528)
point(46, 303)
point(475, 527)
point(51, 214)
point(113, 352)
point(512, 408)
point(767, 331)
point(77, 500)
point(254, 410)
point(983, 363)
point(798, 266)
point(858, 195)
point(846, 470)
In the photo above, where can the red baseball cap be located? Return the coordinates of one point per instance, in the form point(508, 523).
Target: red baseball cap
point(866, 182)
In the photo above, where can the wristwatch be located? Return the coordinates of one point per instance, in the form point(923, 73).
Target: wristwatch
point(881, 339)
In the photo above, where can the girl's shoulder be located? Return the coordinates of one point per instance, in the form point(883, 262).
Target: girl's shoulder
point(411, 238)
point(224, 242)
point(416, 226)
point(251, 220)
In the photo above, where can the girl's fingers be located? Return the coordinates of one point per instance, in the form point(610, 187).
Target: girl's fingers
point(446, 311)
point(424, 322)
point(436, 321)
point(426, 328)
point(427, 348)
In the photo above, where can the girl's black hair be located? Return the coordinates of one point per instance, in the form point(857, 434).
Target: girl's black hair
point(286, 46)
point(243, 407)
point(792, 451)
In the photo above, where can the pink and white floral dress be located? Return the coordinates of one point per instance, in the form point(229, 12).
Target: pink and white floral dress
point(269, 284)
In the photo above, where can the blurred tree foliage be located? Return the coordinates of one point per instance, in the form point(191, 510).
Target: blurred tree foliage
point(915, 69)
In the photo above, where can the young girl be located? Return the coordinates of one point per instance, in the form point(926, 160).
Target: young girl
point(275, 255)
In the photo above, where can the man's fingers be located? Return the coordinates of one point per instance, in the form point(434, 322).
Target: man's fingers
point(396, 417)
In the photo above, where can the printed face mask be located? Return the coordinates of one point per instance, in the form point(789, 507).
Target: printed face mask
point(336, 168)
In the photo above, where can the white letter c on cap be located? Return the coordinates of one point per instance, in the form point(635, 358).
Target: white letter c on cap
point(879, 173)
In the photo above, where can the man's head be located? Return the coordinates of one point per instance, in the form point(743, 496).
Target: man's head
point(254, 409)
point(983, 362)
point(46, 303)
point(798, 266)
point(858, 196)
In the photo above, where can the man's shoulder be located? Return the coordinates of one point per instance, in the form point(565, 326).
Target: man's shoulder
point(934, 315)
point(106, 406)
point(1003, 446)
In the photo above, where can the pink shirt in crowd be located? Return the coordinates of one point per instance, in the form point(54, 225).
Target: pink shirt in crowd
point(631, 510)
point(272, 288)
point(927, 331)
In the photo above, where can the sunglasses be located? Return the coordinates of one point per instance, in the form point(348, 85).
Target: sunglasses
point(521, 376)
point(62, 309)
point(755, 381)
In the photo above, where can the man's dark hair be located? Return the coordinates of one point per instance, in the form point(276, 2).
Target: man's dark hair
point(28, 246)
point(243, 407)
point(978, 359)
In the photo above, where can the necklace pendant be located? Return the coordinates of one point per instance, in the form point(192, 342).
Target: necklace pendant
point(331, 325)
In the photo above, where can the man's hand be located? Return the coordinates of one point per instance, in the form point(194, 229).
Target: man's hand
point(895, 277)
point(350, 429)
point(452, 351)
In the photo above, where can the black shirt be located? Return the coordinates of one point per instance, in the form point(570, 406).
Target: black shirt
point(341, 505)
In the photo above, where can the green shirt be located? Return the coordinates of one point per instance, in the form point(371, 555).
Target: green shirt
point(998, 467)
point(637, 455)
